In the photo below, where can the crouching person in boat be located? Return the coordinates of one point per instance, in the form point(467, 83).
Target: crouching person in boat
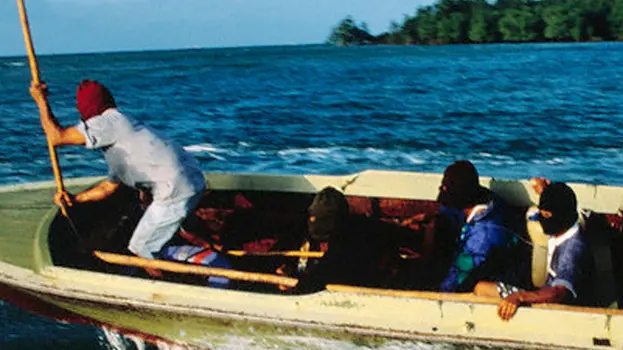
point(137, 156)
point(485, 240)
point(356, 253)
point(569, 260)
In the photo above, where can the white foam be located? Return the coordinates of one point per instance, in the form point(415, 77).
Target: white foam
point(217, 157)
point(375, 150)
point(313, 343)
point(206, 147)
point(414, 160)
point(297, 151)
point(555, 161)
point(212, 151)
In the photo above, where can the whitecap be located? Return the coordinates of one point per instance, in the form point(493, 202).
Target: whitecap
point(15, 64)
point(201, 148)
point(297, 151)
point(413, 159)
point(555, 161)
point(217, 157)
point(208, 148)
point(375, 150)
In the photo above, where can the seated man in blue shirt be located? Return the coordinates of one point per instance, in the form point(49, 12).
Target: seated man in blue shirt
point(137, 156)
point(568, 262)
point(483, 237)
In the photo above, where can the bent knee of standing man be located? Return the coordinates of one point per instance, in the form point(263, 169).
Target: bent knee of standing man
point(159, 224)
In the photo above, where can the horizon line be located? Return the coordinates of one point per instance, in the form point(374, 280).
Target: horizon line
point(130, 51)
point(207, 48)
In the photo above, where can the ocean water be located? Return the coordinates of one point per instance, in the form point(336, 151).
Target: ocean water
point(515, 111)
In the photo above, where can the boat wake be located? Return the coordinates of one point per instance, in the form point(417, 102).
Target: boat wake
point(118, 341)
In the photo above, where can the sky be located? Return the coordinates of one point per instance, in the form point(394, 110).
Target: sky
point(74, 26)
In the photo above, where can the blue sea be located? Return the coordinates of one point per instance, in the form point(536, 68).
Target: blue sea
point(516, 111)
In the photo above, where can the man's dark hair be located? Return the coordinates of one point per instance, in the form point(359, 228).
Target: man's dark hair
point(330, 210)
point(460, 187)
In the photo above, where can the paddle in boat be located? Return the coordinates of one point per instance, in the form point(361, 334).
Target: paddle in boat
point(69, 264)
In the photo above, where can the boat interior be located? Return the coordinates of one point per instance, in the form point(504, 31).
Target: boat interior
point(271, 221)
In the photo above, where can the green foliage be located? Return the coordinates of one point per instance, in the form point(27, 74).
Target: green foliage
point(483, 25)
point(487, 21)
point(564, 22)
point(397, 34)
point(453, 28)
point(519, 24)
point(616, 20)
point(348, 32)
point(426, 21)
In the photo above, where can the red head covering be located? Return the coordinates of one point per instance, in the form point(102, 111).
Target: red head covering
point(92, 99)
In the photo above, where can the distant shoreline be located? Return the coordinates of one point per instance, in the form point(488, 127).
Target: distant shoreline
point(488, 43)
point(493, 21)
point(221, 48)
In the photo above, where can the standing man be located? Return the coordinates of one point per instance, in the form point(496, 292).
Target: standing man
point(137, 156)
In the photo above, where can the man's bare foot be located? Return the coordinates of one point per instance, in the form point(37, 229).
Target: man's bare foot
point(154, 272)
point(415, 222)
point(281, 271)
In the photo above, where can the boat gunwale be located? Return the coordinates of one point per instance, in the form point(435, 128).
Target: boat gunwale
point(50, 289)
point(55, 272)
point(405, 185)
point(394, 334)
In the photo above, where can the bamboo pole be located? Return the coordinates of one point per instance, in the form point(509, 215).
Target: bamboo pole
point(299, 254)
point(32, 59)
point(291, 282)
point(465, 297)
point(34, 70)
point(289, 253)
point(177, 267)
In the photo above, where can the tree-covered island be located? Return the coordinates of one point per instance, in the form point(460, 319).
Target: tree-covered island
point(482, 21)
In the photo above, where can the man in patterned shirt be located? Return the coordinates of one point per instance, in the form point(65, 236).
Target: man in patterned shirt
point(568, 263)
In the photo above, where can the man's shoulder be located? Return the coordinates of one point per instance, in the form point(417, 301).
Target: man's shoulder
point(110, 113)
point(573, 254)
point(575, 244)
point(109, 118)
point(497, 212)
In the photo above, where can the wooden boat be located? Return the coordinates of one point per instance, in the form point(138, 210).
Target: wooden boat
point(45, 268)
